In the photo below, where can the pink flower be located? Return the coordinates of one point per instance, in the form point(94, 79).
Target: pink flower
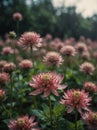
point(30, 39)
point(53, 59)
point(9, 67)
point(68, 50)
point(7, 50)
point(76, 99)
point(81, 47)
point(90, 87)
point(23, 123)
point(46, 83)
point(4, 78)
point(25, 64)
point(17, 16)
point(85, 55)
point(59, 45)
point(95, 55)
point(87, 68)
point(2, 63)
point(48, 37)
point(2, 94)
point(90, 119)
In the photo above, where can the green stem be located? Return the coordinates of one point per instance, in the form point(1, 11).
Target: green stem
point(17, 27)
point(51, 113)
point(11, 95)
point(34, 98)
point(76, 116)
point(14, 53)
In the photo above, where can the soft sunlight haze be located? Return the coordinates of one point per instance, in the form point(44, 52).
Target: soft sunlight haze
point(86, 7)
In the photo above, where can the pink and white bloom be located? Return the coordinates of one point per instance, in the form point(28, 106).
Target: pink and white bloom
point(87, 68)
point(9, 67)
point(90, 87)
point(23, 123)
point(4, 78)
point(76, 99)
point(81, 47)
point(7, 50)
point(30, 39)
point(53, 59)
point(17, 16)
point(25, 64)
point(90, 119)
point(68, 50)
point(2, 94)
point(47, 83)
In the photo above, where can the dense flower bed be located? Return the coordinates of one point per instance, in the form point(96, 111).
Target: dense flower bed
point(47, 83)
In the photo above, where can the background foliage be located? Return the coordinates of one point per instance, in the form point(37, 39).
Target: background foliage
point(42, 17)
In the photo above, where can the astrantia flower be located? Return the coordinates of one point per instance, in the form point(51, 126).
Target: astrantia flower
point(26, 64)
point(2, 63)
point(53, 59)
point(29, 39)
point(67, 50)
point(17, 16)
point(46, 83)
point(9, 67)
point(2, 94)
point(85, 55)
point(87, 68)
point(81, 47)
point(90, 119)
point(90, 87)
point(23, 123)
point(4, 78)
point(76, 99)
point(7, 50)
point(95, 55)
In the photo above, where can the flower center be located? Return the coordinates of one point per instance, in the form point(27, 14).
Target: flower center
point(20, 121)
point(95, 116)
point(76, 94)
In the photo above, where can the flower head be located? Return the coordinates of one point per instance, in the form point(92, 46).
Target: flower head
point(29, 39)
point(90, 119)
point(53, 58)
point(90, 87)
point(26, 64)
point(46, 83)
point(7, 50)
point(68, 50)
point(2, 94)
point(12, 35)
point(81, 47)
point(9, 67)
point(4, 78)
point(76, 99)
point(2, 63)
point(23, 123)
point(95, 55)
point(85, 55)
point(17, 16)
point(87, 68)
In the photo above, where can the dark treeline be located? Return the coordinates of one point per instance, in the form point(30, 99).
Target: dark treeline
point(42, 17)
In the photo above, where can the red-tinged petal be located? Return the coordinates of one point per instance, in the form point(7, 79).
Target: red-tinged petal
point(62, 87)
point(36, 92)
point(46, 93)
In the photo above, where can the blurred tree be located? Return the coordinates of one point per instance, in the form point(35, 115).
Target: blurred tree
point(41, 16)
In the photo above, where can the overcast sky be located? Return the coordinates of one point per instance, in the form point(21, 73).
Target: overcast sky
point(86, 7)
